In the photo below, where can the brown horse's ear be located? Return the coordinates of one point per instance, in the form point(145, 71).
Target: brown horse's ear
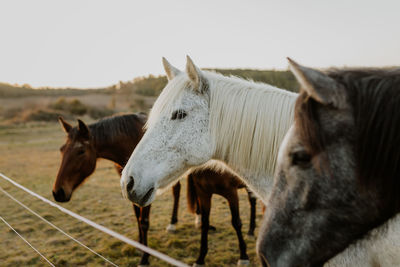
point(318, 85)
point(83, 129)
point(67, 127)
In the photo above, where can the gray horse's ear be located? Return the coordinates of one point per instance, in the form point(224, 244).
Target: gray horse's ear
point(83, 129)
point(170, 70)
point(66, 126)
point(318, 85)
point(199, 82)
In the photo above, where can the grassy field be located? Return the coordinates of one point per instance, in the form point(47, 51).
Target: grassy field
point(29, 154)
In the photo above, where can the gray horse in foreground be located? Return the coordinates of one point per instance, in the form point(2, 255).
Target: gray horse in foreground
point(338, 172)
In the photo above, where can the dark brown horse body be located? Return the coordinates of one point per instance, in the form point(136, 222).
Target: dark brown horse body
point(202, 184)
point(114, 139)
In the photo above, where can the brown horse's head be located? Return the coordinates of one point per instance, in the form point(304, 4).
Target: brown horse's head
point(78, 160)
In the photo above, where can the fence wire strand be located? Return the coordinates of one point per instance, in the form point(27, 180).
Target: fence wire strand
point(99, 227)
point(56, 227)
point(26, 241)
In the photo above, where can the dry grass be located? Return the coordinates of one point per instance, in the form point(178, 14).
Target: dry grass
point(29, 154)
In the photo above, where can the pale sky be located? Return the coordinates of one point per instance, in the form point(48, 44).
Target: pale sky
point(98, 43)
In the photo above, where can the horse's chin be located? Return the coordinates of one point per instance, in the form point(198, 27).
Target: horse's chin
point(146, 200)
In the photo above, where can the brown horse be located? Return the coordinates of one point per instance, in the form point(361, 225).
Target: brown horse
point(112, 138)
point(115, 138)
point(202, 184)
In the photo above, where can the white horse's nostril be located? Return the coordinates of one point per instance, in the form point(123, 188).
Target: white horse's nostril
point(130, 184)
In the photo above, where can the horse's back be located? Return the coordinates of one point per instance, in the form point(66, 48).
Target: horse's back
point(213, 181)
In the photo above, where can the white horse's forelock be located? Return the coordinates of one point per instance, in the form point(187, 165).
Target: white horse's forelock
point(248, 120)
point(164, 102)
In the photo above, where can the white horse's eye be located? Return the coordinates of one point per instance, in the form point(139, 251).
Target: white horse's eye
point(178, 114)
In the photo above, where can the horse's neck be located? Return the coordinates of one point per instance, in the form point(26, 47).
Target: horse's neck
point(117, 152)
point(379, 247)
point(259, 184)
point(117, 149)
point(248, 129)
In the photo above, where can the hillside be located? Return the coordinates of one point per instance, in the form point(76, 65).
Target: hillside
point(149, 86)
point(20, 104)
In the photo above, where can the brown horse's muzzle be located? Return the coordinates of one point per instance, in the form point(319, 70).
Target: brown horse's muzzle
point(60, 196)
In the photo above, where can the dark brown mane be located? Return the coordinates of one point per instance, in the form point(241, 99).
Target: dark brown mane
point(109, 128)
point(375, 98)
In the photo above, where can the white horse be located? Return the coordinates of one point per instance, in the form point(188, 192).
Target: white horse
point(201, 115)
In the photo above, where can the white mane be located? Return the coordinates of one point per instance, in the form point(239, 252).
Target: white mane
point(248, 120)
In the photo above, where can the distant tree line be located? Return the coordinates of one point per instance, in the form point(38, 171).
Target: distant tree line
point(8, 90)
point(150, 85)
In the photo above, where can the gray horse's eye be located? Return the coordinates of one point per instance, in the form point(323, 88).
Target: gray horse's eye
point(178, 114)
point(301, 158)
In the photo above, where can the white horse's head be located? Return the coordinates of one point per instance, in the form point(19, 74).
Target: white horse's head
point(177, 135)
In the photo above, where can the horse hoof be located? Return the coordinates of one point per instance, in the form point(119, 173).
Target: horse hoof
point(171, 228)
point(143, 265)
point(198, 265)
point(243, 262)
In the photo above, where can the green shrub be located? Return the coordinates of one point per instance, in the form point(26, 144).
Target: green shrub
point(76, 107)
point(60, 104)
point(98, 113)
point(11, 113)
point(42, 115)
point(73, 106)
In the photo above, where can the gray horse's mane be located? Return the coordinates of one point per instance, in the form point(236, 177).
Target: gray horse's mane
point(374, 95)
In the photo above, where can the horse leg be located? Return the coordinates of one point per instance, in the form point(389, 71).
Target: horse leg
point(137, 214)
point(176, 190)
point(144, 225)
point(253, 202)
point(197, 219)
point(205, 206)
point(237, 224)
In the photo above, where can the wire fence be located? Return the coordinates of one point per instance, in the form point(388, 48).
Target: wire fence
point(99, 227)
point(26, 241)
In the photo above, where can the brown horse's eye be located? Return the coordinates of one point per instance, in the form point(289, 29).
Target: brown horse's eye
point(178, 114)
point(81, 152)
point(301, 158)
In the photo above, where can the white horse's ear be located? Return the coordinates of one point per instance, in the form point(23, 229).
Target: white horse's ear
point(318, 85)
point(196, 76)
point(170, 70)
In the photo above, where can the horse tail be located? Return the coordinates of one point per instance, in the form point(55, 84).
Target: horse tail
point(191, 194)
